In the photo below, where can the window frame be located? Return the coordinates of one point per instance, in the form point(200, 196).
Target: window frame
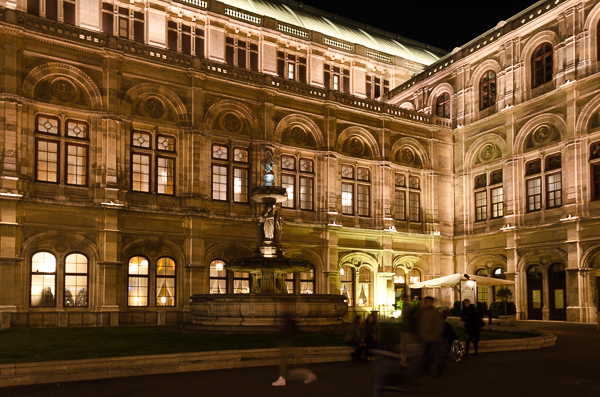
point(410, 207)
point(543, 59)
point(484, 214)
point(87, 276)
point(351, 282)
point(487, 85)
point(548, 191)
point(173, 277)
point(527, 195)
point(31, 274)
point(225, 277)
point(146, 276)
point(58, 151)
point(87, 163)
point(443, 103)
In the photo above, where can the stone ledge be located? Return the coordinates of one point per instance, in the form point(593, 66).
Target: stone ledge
point(76, 370)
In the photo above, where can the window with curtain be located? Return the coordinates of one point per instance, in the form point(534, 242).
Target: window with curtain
point(364, 287)
point(165, 282)
point(347, 284)
point(217, 277)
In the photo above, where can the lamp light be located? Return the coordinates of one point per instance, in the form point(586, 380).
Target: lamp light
point(362, 298)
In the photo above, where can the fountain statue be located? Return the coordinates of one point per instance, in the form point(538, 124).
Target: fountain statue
point(268, 303)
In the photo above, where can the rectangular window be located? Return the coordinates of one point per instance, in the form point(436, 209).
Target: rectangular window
point(217, 278)
point(289, 283)
point(219, 183)
point(291, 71)
point(400, 205)
point(172, 35)
point(229, 50)
point(336, 82)
point(307, 282)
point(240, 185)
point(33, 7)
point(47, 125)
point(52, 9)
point(140, 173)
point(554, 190)
point(363, 193)
point(306, 193)
point(302, 70)
point(199, 43)
point(186, 39)
point(138, 26)
point(47, 161)
point(347, 198)
point(497, 202)
point(241, 283)
point(289, 183)
point(165, 179)
point(69, 11)
point(107, 18)
point(241, 54)
point(415, 207)
point(254, 57)
point(534, 194)
point(124, 27)
point(481, 206)
point(77, 165)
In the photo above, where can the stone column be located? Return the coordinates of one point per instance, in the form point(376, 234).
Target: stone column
point(109, 265)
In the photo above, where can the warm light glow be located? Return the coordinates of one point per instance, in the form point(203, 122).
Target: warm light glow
point(398, 279)
point(341, 271)
point(219, 266)
point(414, 280)
point(471, 283)
point(361, 301)
point(163, 300)
point(237, 185)
point(346, 198)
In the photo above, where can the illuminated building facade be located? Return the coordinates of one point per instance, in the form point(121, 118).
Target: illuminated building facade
point(132, 134)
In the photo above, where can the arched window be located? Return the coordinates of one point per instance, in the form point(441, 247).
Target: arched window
point(541, 65)
point(487, 90)
point(43, 280)
point(442, 107)
point(137, 292)
point(347, 284)
point(76, 280)
point(481, 272)
point(364, 287)
point(217, 277)
point(595, 170)
point(414, 276)
point(165, 282)
point(499, 272)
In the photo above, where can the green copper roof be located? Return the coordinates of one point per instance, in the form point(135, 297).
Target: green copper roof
point(336, 27)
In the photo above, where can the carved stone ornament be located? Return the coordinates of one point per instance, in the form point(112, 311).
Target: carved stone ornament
point(63, 90)
point(298, 135)
point(488, 152)
point(231, 122)
point(542, 135)
point(356, 146)
point(595, 123)
point(407, 156)
point(153, 107)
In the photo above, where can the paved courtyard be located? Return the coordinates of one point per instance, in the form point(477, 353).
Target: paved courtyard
point(571, 368)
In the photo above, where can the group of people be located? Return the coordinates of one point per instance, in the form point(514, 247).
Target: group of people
point(421, 323)
point(364, 335)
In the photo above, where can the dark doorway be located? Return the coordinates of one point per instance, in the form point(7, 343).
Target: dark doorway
point(535, 293)
point(557, 284)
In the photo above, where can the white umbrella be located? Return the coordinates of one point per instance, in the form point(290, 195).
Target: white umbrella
point(455, 279)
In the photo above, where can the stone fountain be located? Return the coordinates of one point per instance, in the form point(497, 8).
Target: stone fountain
point(268, 303)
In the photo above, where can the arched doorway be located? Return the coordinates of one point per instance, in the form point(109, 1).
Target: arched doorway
point(557, 284)
point(535, 293)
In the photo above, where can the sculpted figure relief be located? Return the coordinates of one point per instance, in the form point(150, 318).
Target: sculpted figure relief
point(269, 226)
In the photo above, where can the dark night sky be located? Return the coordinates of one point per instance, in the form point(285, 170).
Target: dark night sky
point(442, 23)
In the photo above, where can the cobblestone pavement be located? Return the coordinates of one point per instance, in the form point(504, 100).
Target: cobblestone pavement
point(571, 368)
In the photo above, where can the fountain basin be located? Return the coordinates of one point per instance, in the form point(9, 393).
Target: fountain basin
point(267, 312)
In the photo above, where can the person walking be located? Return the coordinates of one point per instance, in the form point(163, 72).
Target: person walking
point(408, 329)
point(431, 329)
point(472, 322)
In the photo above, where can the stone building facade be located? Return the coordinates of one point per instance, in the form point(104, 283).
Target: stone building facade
point(132, 135)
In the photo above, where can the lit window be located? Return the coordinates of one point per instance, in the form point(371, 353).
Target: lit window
point(137, 294)
point(221, 168)
point(307, 282)
point(43, 280)
point(414, 207)
point(76, 280)
point(217, 277)
point(241, 283)
point(364, 287)
point(47, 161)
point(347, 284)
point(140, 173)
point(165, 282)
point(165, 176)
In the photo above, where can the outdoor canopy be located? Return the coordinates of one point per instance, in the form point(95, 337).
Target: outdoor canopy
point(455, 279)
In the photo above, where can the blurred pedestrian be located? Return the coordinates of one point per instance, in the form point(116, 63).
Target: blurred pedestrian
point(473, 322)
point(289, 338)
point(371, 335)
point(431, 329)
point(408, 329)
point(355, 338)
